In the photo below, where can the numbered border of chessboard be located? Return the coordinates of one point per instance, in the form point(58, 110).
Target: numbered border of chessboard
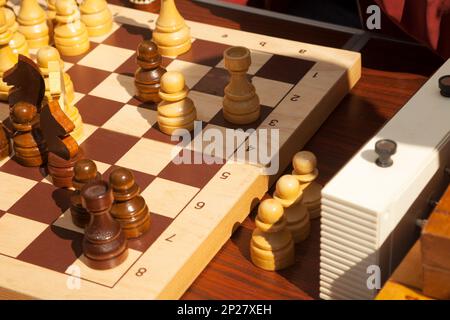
point(337, 69)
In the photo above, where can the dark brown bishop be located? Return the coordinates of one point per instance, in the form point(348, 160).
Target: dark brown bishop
point(85, 171)
point(27, 81)
point(5, 146)
point(63, 150)
point(29, 145)
point(148, 75)
point(129, 208)
point(104, 245)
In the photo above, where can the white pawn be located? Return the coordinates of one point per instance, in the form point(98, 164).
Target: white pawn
point(70, 34)
point(171, 34)
point(32, 21)
point(46, 55)
point(271, 246)
point(96, 16)
point(7, 58)
point(305, 171)
point(290, 195)
point(18, 42)
point(10, 17)
point(176, 111)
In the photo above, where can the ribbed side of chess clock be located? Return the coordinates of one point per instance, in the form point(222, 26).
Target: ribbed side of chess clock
point(371, 207)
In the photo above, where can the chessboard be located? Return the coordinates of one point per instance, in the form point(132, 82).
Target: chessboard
point(195, 208)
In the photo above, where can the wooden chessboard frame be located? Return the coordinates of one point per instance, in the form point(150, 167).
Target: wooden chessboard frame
point(199, 238)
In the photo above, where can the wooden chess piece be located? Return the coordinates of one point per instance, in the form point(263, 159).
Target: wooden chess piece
point(148, 76)
point(18, 42)
point(7, 58)
point(32, 21)
point(271, 246)
point(46, 55)
point(171, 34)
point(29, 146)
point(290, 195)
point(10, 17)
point(104, 245)
point(177, 110)
point(96, 16)
point(5, 145)
point(70, 34)
point(85, 171)
point(63, 149)
point(129, 208)
point(240, 103)
point(305, 171)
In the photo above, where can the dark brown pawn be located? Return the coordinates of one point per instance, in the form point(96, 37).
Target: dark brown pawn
point(104, 244)
point(149, 73)
point(5, 147)
point(129, 208)
point(61, 170)
point(29, 145)
point(85, 171)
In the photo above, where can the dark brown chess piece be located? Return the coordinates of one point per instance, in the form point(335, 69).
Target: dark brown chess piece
point(129, 208)
point(63, 150)
point(85, 171)
point(149, 73)
point(104, 243)
point(5, 146)
point(29, 145)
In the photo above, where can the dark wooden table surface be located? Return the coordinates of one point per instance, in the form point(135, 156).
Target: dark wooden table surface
point(392, 72)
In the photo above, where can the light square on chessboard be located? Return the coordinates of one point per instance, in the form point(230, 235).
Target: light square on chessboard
point(106, 57)
point(85, 84)
point(77, 97)
point(132, 120)
point(167, 197)
point(107, 146)
point(12, 188)
point(207, 105)
point(116, 87)
point(105, 277)
point(50, 203)
point(270, 92)
point(192, 72)
point(149, 156)
point(201, 142)
point(16, 233)
point(258, 60)
point(55, 248)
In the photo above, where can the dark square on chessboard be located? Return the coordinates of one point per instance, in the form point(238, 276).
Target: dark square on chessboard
point(85, 79)
point(128, 36)
point(55, 249)
point(107, 146)
point(49, 203)
point(205, 53)
point(159, 223)
point(97, 111)
point(33, 173)
point(285, 69)
point(196, 175)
